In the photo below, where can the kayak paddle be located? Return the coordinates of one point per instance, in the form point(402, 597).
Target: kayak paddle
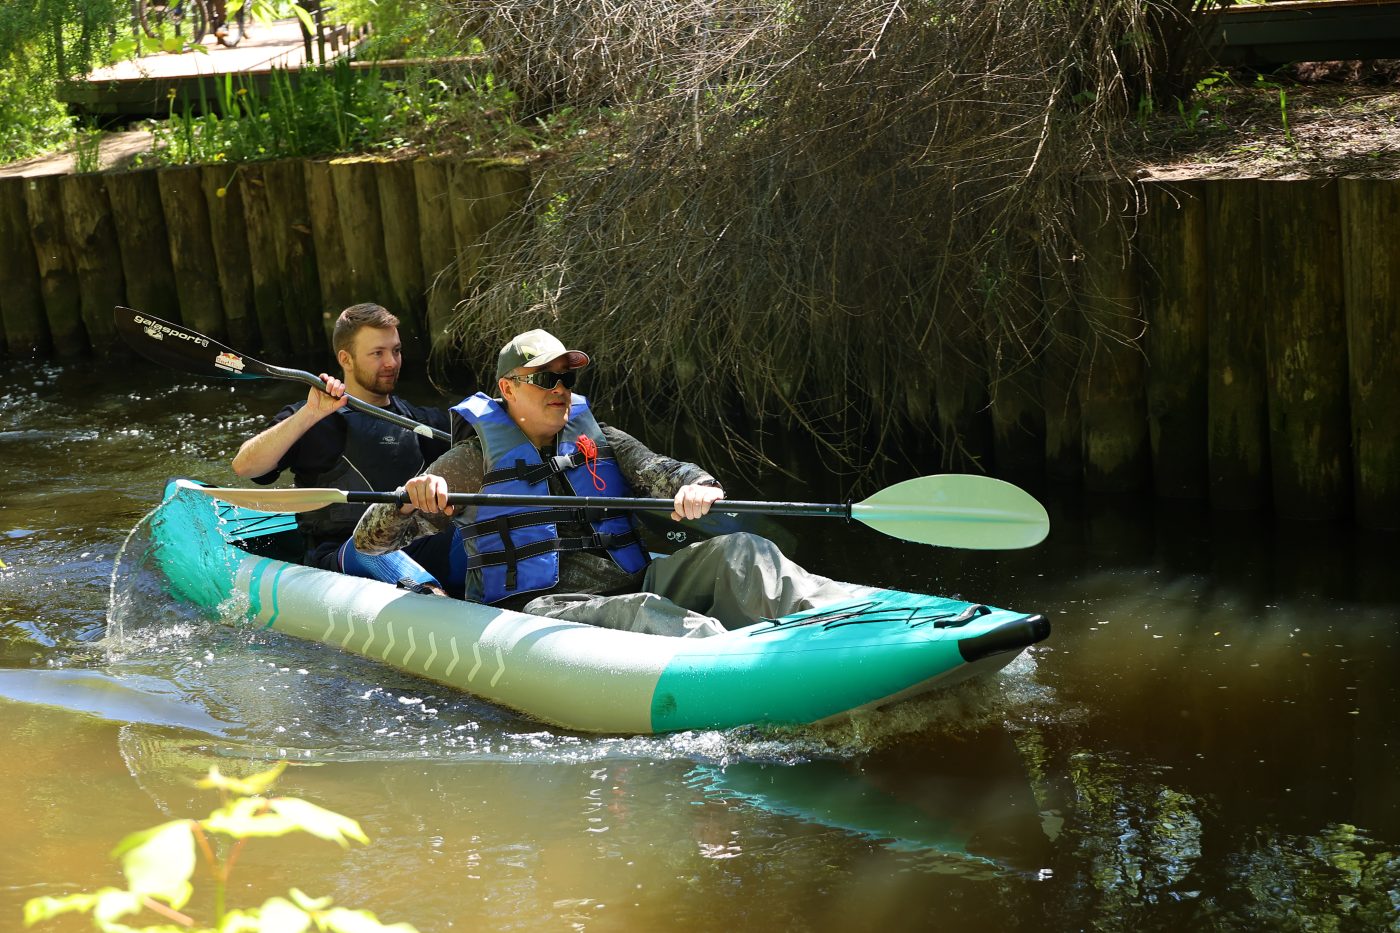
point(180, 347)
point(188, 350)
point(960, 510)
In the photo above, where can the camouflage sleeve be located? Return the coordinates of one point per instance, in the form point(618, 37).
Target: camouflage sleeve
point(652, 475)
point(383, 529)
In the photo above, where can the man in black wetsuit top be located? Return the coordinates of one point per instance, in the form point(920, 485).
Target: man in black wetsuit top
point(326, 444)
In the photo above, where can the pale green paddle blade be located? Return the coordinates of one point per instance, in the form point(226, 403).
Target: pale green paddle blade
point(270, 500)
point(957, 510)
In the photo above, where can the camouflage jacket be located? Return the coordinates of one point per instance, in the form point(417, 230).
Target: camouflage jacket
point(651, 475)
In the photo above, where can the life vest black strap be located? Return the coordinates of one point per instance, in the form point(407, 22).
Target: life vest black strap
point(491, 526)
point(542, 471)
point(511, 555)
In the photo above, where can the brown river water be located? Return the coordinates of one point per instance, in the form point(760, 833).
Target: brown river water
point(1209, 739)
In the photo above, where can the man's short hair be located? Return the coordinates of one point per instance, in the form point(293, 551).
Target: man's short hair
point(355, 317)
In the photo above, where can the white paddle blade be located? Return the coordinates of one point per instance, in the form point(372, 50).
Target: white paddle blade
point(270, 500)
point(957, 510)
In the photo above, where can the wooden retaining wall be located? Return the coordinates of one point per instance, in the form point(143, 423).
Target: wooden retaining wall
point(262, 256)
point(1230, 340)
point(1270, 362)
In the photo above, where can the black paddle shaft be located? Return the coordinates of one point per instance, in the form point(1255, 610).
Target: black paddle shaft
point(179, 347)
point(400, 497)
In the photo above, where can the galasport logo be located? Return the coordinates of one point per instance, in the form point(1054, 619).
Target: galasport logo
point(230, 362)
point(157, 330)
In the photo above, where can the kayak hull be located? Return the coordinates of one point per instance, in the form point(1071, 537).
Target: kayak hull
point(882, 647)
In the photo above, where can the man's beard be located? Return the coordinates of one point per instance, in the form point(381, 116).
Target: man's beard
point(371, 380)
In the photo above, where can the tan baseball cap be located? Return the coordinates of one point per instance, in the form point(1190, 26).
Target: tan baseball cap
point(536, 348)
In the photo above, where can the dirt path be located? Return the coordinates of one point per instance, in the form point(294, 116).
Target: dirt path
point(116, 151)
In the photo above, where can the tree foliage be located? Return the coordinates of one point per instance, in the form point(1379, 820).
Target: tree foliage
point(41, 43)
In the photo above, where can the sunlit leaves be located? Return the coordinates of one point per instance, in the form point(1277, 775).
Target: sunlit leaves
point(250, 817)
point(249, 786)
point(159, 862)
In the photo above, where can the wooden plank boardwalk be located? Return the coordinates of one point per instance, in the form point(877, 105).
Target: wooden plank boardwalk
point(1273, 34)
point(141, 87)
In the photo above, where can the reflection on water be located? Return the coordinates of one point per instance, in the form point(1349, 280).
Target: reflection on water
point(1208, 740)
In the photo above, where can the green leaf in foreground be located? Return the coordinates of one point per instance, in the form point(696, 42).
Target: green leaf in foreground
point(249, 786)
point(159, 863)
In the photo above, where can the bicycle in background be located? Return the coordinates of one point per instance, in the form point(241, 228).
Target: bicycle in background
point(197, 18)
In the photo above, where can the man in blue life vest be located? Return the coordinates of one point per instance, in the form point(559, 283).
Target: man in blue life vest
point(326, 444)
point(586, 565)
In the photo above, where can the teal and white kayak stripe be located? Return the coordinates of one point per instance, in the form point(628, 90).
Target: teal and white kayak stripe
point(810, 667)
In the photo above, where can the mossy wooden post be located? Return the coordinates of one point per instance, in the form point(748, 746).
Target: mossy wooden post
point(192, 250)
point(93, 238)
point(21, 299)
point(403, 251)
point(467, 197)
point(1014, 390)
point(228, 231)
point(1113, 405)
point(58, 275)
point(1237, 420)
point(1172, 279)
point(1370, 215)
point(432, 184)
point(960, 393)
point(144, 242)
point(1059, 373)
point(1305, 346)
point(308, 323)
point(362, 234)
point(484, 195)
point(1018, 423)
point(332, 265)
point(264, 261)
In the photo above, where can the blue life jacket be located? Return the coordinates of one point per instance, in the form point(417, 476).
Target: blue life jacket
point(515, 549)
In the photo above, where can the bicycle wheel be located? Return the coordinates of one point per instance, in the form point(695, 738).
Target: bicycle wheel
point(197, 17)
point(150, 16)
point(234, 27)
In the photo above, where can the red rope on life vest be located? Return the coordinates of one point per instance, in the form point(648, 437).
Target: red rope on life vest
point(590, 460)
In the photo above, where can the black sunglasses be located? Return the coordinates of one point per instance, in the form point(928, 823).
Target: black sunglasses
point(547, 380)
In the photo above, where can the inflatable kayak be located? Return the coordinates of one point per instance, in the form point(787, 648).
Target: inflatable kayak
point(881, 647)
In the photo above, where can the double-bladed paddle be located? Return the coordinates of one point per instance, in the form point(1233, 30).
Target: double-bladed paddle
point(188, 350)
point(950, 509)
point(180, 347)
point(960, 510)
